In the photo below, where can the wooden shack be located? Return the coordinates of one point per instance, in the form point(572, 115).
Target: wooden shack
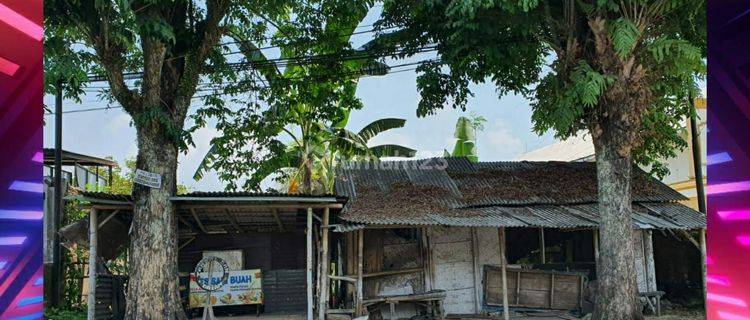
point(445, 225)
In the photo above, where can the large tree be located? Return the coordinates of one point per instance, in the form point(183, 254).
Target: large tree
point(153, 54)
point(619, 69)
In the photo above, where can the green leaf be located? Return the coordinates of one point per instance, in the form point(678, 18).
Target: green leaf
point(379, 126)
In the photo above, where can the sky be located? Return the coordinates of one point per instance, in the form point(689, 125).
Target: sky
point(507, 134)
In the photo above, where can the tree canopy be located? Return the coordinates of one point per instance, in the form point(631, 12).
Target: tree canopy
point(547, 51)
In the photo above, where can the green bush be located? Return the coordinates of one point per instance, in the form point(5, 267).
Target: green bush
point(60, 314)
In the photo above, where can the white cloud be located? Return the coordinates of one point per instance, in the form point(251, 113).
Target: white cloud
point(497, 142)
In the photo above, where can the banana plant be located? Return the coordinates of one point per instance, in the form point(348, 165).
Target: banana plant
point(317, 141)
point(466, 135)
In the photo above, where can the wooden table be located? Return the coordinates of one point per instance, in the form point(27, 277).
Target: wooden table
point(432, 300)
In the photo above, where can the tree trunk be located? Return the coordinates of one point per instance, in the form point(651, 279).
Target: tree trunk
point(153, 284)
point(617, 292)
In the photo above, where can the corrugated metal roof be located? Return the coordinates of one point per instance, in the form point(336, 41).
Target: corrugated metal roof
point(496, 183)
point(546, 216)
point(108, 198)
point(457, 192)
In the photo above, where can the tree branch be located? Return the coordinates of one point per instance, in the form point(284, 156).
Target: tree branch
point(210, 33)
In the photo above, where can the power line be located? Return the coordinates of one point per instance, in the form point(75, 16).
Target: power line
point(220, 94)
point(138, 75)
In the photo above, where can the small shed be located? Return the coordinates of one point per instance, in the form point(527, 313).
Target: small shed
point(451, 225)
point(280, 235)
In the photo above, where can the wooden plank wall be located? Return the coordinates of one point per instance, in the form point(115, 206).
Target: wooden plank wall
point(537, 289)
point(454, 267)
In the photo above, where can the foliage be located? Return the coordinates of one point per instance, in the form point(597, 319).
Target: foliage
point(466, 132)
point(296, 126)
point(65, 314)
point(547, 51)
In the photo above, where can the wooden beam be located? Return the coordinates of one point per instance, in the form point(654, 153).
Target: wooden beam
point(258, 206)
point(343, 278)
point(93, 226)
point(309, 264)
point(391, 272)
point(360, 249)
point(324, 272)
point(503, 263)
point(201, 226)
point(109, 217)
point(542, 247)
point(425, 252)
point(477, 271)
point(278, 220)
point(187, 242)
point(233, 220)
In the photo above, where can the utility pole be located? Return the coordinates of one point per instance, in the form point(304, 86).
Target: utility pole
point(697, 162)
point(700, 190)
point(55, 277)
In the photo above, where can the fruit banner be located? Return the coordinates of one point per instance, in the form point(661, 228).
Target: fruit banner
point(242, 287)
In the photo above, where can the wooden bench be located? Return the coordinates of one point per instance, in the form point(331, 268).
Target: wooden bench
point(432, 301)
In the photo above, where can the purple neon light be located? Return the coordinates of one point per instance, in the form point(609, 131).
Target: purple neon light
point(3, 264)
point(744, 239)
point(728, 187)
point(726, 299)
point(733, 215)
point(21, 215)
point(20, 23)
point(26, 186)
point(718, 158)
point(731, 316)
point(39, 281)
point(38, 157)
point(11, 241)
point(719, 280)
point(30, 301)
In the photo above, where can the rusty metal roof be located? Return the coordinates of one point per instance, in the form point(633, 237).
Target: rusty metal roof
point(457, 192)
point(546, 216)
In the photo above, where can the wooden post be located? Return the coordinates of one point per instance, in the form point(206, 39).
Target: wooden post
point(309, 265)
point(324, 261)
point(596, 246)
point(503, 263)
point(93, 225)
point(360, 265)
point(542, 247)
point(477, 271)
point(703, 260)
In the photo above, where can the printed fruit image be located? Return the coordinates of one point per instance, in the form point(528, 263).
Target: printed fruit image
point(213, 300)
point(227, 298)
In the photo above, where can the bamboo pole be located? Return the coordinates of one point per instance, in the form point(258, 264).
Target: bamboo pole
point(93, 225)
point(324, 261)
point(503, 263)
point(309, 265)
point(360, 249)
